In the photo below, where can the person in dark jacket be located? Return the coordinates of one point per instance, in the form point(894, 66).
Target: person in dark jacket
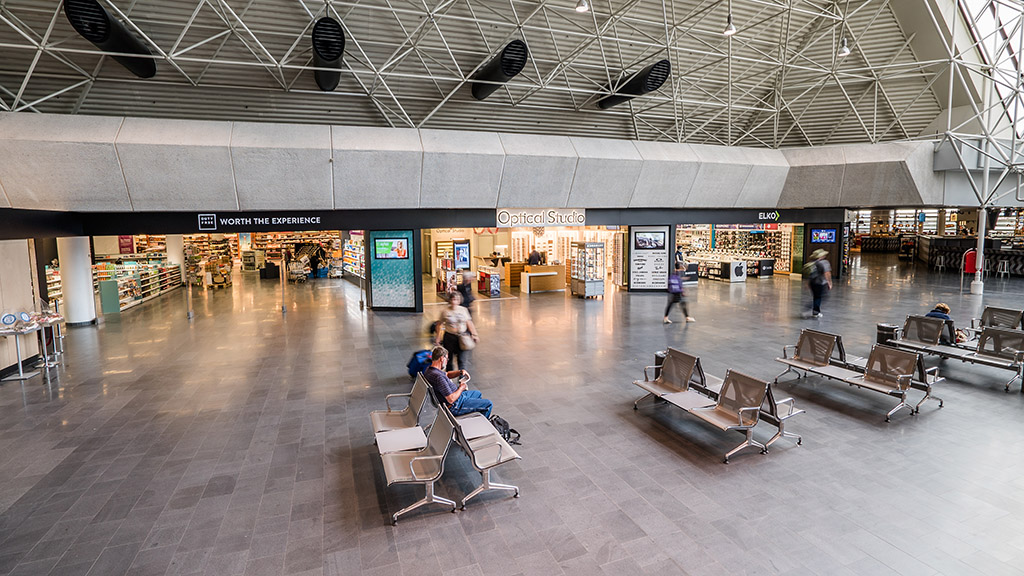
point(534, 258)
point(465, 288)
point(941, 311)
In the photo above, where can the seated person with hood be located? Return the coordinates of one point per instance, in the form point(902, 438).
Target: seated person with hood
point(941, 311)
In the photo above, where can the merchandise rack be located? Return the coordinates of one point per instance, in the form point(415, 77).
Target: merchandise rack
point(587, 269)
point(352, 257)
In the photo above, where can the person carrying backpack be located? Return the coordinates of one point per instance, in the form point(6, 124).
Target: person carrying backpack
point(820, 281)
point(675, 294)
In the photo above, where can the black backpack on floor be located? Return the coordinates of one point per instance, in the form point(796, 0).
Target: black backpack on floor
point(511, 435)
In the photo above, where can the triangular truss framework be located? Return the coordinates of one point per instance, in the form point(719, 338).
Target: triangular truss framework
point(778, 82)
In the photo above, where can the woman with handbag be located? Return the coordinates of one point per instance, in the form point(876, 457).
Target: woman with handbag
point(456, 332)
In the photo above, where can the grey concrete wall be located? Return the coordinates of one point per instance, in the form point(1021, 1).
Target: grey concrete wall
point(88, 163)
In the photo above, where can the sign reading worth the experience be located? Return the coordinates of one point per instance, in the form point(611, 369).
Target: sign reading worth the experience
point(515, 217)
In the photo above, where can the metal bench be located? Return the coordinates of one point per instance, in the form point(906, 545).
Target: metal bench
point(485, 447)
point(924, 378)
point(993, 317)
point(997, 347)
point(738, 408)
point(685, 384)
point(408, 417)
point(886, 370)
point(424, 466)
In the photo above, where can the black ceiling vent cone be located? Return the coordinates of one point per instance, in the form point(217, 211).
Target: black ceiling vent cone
point(328, 48)
point(647, 80)
point(96, 25)
point(500, 69)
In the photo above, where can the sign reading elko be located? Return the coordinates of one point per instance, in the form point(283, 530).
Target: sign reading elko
point(513, 217)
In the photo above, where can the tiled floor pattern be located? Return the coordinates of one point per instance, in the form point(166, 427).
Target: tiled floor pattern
point(240, 444)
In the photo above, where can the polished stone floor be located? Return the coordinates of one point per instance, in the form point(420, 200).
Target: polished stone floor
point(240, 443)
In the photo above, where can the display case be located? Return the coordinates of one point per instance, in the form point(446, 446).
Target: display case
point(135, 284)
point(587, 269)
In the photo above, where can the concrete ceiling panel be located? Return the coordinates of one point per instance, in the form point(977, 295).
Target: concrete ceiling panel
point(667, 175)
point(4, 202)
point(723, 172)
point(768, 171)
point(377, 167)
point(51, 162)
point(878, 175)
point(538, 171)
point(282, 166)
point(606, 174)
point(815, 177)
point(460, 169)
point(177, 165)
point(920, 162)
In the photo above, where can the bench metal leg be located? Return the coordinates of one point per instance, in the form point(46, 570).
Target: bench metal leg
point(488, 485)
point(641, 398)
point(748, 442)
point(788, 370)
point(927, 395)
point(428, 498)
point(783, 434)
point(1019, 374)
point(902, 404)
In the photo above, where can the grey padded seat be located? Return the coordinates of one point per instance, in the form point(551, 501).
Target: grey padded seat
point(485, 453)
point(408, 417)
point(424, 466)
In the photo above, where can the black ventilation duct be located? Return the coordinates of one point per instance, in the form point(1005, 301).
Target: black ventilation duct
point(328, 48)
point(647, 80)
point(502, 68)
point(96, 25)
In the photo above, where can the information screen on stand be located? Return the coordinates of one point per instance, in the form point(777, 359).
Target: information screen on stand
point(649, 257)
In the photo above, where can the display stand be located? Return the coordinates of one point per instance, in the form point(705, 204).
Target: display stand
point(587, 277)
point(12, 327)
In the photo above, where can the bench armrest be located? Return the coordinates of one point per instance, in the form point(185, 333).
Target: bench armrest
point(413, 461)
point(788, 401)
point(739, 414)
point(787, 347)
point(488, 445)
point(646, 378)
point(387, 399)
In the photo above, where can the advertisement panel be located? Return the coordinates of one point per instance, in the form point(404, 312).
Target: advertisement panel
point(649, 257)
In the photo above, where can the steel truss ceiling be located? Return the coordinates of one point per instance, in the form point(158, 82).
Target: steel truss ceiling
point(778, 82)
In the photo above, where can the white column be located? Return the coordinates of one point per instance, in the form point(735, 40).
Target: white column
point(76, 280)
point(175, 249)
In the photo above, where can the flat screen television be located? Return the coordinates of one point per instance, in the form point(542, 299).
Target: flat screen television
point(823, 235)
point(391, 248)
point(649, 241)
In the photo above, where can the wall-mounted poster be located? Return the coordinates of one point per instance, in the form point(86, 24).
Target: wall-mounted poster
point(649, 259)
point(390, 248)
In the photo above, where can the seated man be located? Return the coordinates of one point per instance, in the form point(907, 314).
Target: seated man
point(460, 399)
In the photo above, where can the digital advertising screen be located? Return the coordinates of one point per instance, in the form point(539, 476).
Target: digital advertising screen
point(649, 241)
point(391, 248)
point(823, 235)
point(462, 255)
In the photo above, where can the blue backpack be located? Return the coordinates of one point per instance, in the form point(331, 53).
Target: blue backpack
point(419, 362)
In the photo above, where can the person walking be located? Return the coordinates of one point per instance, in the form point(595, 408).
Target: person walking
point(819, 280)
point(675, 295)
point(465, 289)
point(454, 324)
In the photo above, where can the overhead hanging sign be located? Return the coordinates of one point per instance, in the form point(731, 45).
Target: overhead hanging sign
point(515, 217)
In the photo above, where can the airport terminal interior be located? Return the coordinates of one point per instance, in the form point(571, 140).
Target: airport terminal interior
point(511, 287)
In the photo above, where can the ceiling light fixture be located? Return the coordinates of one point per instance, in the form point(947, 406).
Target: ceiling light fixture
point(730, 28)
point(844, 49)
point(582, 6)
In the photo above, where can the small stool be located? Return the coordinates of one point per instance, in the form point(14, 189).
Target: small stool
point(1003, 269)
point(940, 263)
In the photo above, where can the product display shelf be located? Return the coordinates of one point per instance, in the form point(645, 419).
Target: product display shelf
point(200, 243)
point(149, 243)
point(352, 258)
point(148, 285)
point(53, 285)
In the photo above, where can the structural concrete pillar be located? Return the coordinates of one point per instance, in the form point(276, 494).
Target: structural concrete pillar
point(175, 244)
point(76, 280)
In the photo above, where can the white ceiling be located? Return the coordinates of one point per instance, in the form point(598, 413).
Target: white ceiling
point(777, 83)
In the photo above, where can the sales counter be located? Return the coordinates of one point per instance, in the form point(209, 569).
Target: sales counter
point(543, 279)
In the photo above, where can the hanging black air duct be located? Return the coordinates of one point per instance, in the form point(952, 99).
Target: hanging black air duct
point(500, 69)
point(647, 80)
point(328, 48)
point(96, 25)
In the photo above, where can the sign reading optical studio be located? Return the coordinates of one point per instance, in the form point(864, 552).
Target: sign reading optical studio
point(516, 217)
